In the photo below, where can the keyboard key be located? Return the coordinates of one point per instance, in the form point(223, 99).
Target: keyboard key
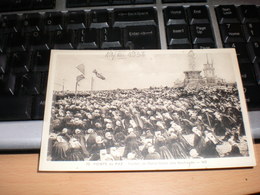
point(53, 21)
point(3, 63)
point(5, 5)
point(76, 3)
point(227, 14)
point(17, 5)
point(40, 60)
point(180, 46)
point(99, 19)
point(17, 84)
point(249, 13)
point(8, 82)
point(204, 46)
point(43, 4)
point(21, 5)
point(31, 83)
point(10, 23)
point(38, 40)
point(38, 107)
point(178, 35)
point(252, 32)
point(198, 15)
point(196, 1)
point(172, 1)
point(121, 2)
point(31, 22)
point(141, 37)
point(17, 42)
point(134, 17)
point(111, 38)
point(247, 73)
point(257, 72)
point(62, 39)
point(24, 84)
point(232, 33)
point(201, 33)
point(4, 42)
point(178, 1)
point(252, 93)
point(87, 39)
point(98, 2)
point(76, 20)
point(19, 61)
point(144, 1)
point(15, 108)
point(241, 50)
point(2, 82)
point(44, 81)
point(254, 50)
point(174, 15)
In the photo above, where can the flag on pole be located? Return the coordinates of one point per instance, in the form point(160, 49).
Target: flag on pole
point(99, 75)
point(80, 77)
point(81, 68)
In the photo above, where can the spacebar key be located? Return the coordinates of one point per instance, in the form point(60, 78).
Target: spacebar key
point(15, 108)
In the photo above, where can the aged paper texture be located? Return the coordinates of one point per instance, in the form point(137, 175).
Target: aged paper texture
point(145, 110)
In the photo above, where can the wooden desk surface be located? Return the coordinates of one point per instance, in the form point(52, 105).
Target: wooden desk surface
point(19, 175)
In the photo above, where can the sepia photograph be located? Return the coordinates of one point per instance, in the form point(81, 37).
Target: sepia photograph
point(145, 110)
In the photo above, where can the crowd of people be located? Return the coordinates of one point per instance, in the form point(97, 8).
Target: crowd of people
point(146, 124)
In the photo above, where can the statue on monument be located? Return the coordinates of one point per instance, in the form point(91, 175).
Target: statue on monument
point(193, 79)
point(191, 57)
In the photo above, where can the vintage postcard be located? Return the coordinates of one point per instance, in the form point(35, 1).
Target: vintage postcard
point(145, 110)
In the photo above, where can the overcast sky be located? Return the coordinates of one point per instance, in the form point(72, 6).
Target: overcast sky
point(140, 71)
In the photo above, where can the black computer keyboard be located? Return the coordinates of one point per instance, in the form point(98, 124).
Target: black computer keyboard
point(30, 29)
point(240, 29)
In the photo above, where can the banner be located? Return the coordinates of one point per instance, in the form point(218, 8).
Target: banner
point(81, 68)
point(80, 77)
point(99, 75)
